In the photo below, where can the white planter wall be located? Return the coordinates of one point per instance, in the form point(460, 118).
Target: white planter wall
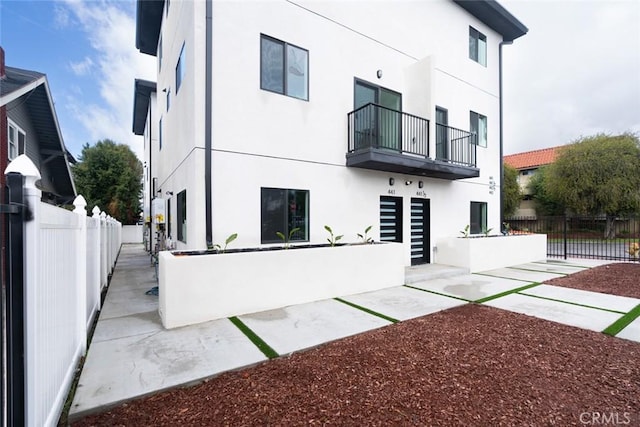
point(198, 288)
point(481, 254)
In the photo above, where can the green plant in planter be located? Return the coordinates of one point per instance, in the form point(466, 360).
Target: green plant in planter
point(332, 239)
point(364, 237)
point(286, 239)
point(230, 239)
point(486, 231)
point(465, 231)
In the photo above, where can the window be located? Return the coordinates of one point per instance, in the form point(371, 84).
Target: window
point(166, 7)
point(16, 140)
point(182, 215)
point(160, 54)
point(168, 99)
point(477, 46)
point(478, 217)
point(282, 211)
point(169, 217)
point(284, 68)
point(160, 134)
point(478, 127)
point(180, 69)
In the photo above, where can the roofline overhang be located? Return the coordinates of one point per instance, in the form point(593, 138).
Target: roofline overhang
point(496, 17)
point(148, 22)
point(22, 90)
point(141, 99)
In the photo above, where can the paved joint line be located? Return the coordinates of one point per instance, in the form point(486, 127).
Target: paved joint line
point(366, 310)
point(538, 271)
point(573, 303)
point(254, 338)
point(502, 277)
point(616, 327)
point(505, 293)
point(561, 264)
point(438, 293)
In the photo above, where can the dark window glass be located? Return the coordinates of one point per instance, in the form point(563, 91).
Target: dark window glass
point(477, 46)
point(182, 216)
point(478, 222)
point(284, 210)
point(180, 69)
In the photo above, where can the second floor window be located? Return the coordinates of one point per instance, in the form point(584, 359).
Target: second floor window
point(478, 127)
point(284, 68)
point(477, 46)
point(16, 140)
point(180, 69)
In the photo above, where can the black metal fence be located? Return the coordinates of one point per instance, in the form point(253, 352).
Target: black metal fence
point(455, 146)
point(585, 236)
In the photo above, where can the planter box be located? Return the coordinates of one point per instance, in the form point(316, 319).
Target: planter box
point(198, 288)
point(487, 253)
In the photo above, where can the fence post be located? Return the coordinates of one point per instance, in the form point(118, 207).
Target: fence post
point(103, 249)
point(81, 269)
point(96, 255)
point(564, 235)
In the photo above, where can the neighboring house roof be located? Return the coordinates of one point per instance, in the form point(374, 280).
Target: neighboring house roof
point(149, 20)
point(532, 159)
point(141, 97)
point(496, 17)
point(33, 87)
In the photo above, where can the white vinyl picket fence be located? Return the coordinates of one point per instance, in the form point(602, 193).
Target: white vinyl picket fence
point(68, 259)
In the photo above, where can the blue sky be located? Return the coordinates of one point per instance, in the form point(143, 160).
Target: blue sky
point(577, 71)
point(87, 49)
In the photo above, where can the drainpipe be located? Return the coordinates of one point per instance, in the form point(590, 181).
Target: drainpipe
point(502, 43)
point(207, 123)
point(150, 176)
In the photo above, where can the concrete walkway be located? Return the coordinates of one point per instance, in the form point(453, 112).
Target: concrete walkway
point(132, 355)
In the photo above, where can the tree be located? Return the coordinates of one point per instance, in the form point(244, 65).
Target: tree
point(511, 194)
point(545, 205)
point(109, 176)
point(598, 175)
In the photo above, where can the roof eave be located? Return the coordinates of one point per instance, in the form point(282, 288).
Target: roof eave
point(141, 100)
point(148, 22)
point(494, 15)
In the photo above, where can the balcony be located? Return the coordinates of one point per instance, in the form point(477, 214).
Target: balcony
point(388, 140)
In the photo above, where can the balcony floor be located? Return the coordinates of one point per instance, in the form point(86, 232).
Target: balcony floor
point(385, 160)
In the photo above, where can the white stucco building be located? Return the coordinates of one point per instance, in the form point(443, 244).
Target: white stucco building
point(280, 115)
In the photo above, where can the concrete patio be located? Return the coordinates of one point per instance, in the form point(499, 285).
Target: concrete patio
point(132, 355)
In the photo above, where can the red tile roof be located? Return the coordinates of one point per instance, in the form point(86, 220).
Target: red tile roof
point(532, 159)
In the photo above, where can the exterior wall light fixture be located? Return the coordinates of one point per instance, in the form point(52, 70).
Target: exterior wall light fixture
point(379, 74)
point(420, 184)
point(391, 181)
point(169, 193)
point(408, 182)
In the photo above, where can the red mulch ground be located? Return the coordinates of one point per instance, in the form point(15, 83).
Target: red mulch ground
point(472, 365)
point(617, 279)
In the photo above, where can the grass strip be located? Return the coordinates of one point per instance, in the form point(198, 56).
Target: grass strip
point(502, 277)
point(438, 293)
point(572, 303)
point(366, 310)
point(538, 271)
point(505, 293)
point(262, 346)
point(617, 326)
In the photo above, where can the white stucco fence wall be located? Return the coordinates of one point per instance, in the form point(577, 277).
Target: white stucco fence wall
point(198, 288)
point(132, 233)
point(487, 253)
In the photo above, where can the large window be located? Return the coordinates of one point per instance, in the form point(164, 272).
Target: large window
point(160, 54)
point(160, 134)
point(478, 217)
point(282, 211)
point(182, 215)
point(478, 127)
point(16, 140)
point(180, 69)
point(284, 68)
point(477, 46)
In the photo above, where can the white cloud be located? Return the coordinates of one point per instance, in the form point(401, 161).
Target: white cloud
point(576, 73)
point(115, 63)
point(81, 68)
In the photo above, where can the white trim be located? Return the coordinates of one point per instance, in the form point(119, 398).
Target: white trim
point(19, 130)
point(12, 96)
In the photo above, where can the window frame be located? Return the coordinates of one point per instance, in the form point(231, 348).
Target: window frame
point(482, 221)
point(285, 61)
point(475, 118)
point(160, 54)
point(180, 68)
point(16, 142)
point(474, 54)
point(160, 134)
point(181, 216)
point(287, 220)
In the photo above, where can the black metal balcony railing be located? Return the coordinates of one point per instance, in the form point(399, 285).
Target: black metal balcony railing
point(373, 126)
point(455, 146)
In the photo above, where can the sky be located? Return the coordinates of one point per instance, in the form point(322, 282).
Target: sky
point(576, 73)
